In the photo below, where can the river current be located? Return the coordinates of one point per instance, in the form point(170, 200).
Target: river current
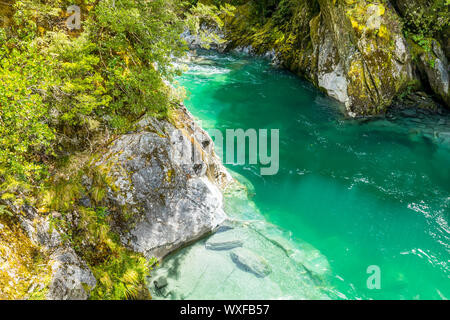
point(352, 199)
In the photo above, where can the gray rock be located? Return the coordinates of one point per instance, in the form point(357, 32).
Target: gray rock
point(197, 41)
point(160, 283)
point(85, 202)
point(435, 66)
point(250, 262)
point(168, 179)
point(224, 228)
point(224, 241)
point(72, 279)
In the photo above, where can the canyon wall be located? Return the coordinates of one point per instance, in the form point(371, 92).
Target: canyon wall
point(366, 54)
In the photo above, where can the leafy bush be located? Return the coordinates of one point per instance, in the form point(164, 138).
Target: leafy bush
point(428, 20)
point(211, 17)
point(25, 136)
point(63, 93)
point(121, 273)
point(59, 87)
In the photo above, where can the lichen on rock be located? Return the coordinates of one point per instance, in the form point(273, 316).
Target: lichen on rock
point(170, 200)
point(355, 51)
point(37, 264)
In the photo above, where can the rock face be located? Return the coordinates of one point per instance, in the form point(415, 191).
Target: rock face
point(165, 190)
point(250, 262)
point(355, 51)
point(370, 52)
point(71, 278)
point(412, 9)
point(217, 42)
point(224, 241)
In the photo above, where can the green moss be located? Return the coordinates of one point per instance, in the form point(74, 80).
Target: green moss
point(121, 273)
point(286, 31)
point(25, 273)
point(170, 174)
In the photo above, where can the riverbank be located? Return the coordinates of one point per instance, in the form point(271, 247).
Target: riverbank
point(380, 199)
point(364, 54)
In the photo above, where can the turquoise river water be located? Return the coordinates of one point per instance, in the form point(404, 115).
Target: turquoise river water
point(360, 193)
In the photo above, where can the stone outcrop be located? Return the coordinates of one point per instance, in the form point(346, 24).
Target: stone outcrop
point(434, 67)
point(250, 262)
point(165, 190)
point(414, 9)
point(369, 53)
point(61, 274)
point(355, 51)
point(225, 241)
point(164, 185)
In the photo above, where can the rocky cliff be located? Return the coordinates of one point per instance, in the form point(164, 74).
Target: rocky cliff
point(155, 190)
point(167, 180)
point(363, 53)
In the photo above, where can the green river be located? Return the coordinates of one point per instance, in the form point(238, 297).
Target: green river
point(349, 194)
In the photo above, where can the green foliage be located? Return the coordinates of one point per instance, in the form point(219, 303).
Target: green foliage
point(120, 273)
point(212, 16)
point(428, 20)
point(64, 93)
point(265, 8)
point(60, 89)
point(4, 211)
point(422, 24)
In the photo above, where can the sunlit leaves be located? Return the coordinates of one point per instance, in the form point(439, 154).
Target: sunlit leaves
point(25, 79)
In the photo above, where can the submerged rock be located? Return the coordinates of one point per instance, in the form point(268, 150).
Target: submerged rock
point(250, 262)
point(160, 283)
point(225, 241)
point(312, 260)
